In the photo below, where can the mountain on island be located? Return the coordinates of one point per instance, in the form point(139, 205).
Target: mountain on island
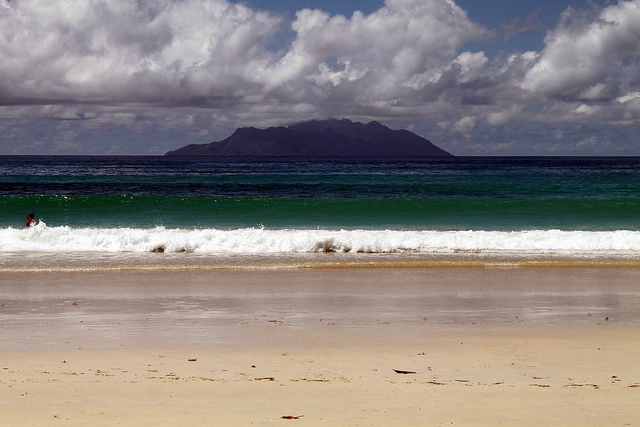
point(318, 138)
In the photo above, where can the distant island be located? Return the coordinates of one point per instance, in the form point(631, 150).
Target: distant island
point(318, 138)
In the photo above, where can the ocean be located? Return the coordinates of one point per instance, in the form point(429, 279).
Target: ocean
point(193, 211)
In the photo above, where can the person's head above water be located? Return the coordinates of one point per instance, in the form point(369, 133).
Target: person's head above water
point(31, 219)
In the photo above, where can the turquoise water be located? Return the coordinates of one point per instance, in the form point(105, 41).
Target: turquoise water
point(514, 206)
point(404, 194)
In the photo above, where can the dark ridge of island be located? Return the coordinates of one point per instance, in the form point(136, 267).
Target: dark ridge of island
point(318, 138)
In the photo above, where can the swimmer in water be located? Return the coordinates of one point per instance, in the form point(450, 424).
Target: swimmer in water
point(31, 220)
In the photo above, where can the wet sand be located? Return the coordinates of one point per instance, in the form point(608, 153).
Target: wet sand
point(474, 346)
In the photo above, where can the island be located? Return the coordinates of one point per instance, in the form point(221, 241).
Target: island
point(318, 138)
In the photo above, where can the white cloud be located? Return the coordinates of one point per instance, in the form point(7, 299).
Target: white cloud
point(465, 125)
point(200, 68)
point(630, 97)
point(120, 51)
point(580, 57)
point(379, 57)
point(191, 51)
point(471, 65)
point(502, 117)
point(587, 109)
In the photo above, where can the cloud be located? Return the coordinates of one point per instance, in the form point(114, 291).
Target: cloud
point(86, 77)
point(585, 60)
point(588, 142)
point(114, 52)
point(213, 53)
point(465, 125)
point(381, 63)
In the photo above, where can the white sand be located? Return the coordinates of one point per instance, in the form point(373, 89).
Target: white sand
point(492, 347)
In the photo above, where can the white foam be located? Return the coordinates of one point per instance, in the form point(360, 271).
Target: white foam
point(265, 241)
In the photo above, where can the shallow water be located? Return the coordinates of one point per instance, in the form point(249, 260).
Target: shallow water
point(227, 307)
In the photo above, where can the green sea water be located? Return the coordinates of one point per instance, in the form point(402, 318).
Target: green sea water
point(400, 194)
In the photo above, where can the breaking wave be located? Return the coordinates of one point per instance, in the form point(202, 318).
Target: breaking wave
point(267, 241)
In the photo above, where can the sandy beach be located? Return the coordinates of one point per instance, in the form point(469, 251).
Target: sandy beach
point(347, 347)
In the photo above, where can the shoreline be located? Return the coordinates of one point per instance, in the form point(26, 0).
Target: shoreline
point(30, 262)
point(158, 307)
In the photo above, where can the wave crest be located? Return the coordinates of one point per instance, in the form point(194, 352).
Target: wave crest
point(265, 241)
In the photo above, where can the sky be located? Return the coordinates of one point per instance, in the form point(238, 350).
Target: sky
point(475, 77)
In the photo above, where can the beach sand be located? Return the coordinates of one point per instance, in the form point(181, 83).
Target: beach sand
point(474, 346)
